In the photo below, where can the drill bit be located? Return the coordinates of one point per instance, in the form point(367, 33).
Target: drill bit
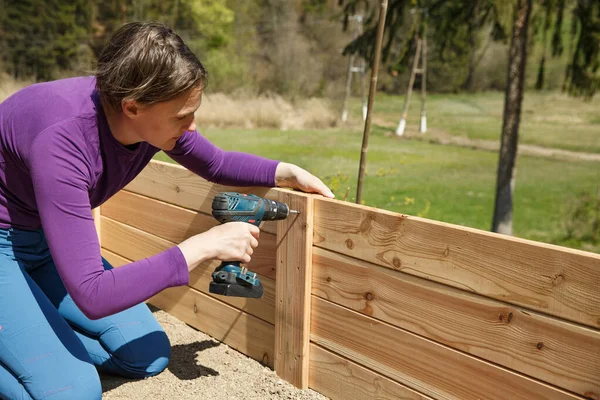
point(294, 212)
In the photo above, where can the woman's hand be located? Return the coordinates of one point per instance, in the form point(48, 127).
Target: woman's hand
point(233, 241)
point(292, 176)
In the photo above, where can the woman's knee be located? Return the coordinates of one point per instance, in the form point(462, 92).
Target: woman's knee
point(146, 356)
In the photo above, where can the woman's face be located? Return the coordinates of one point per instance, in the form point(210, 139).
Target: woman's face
point(162, 124)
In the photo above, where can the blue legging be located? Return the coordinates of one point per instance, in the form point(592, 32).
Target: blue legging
point(48, 347)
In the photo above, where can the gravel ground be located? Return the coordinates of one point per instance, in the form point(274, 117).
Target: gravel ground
point(203, 368)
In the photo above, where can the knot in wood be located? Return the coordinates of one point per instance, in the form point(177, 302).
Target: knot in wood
point(369, 296)
point(505, 318)
point(540, 345)
point(195, 309)
point(447, 251)
point(557, 280)
point(177, 189)
point(397, 263)
point(328, 279)
point(349, 244)
point(366, 223)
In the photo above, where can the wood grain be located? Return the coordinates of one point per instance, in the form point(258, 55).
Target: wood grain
point(560, 353)
point(242, 331)
point(339, 378)
point(550, 279)
point(426, 366)
point(113, 258)
point(176, 185)
point(292, 306)
point(96, 214)
point(134, 244)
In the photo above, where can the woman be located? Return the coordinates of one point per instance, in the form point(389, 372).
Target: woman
point(66, 147)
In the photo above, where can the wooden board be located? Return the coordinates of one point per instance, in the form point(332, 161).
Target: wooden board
point(551, 279)
point(176, 185)
point(96, 215)
point(560, 353)
point(292, 306)
point(242, 331)
point(134, 244)
point(339, 378)
point(114, 259)
point(426, 366)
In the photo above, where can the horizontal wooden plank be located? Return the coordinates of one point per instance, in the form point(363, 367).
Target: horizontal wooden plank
point(339, 378)
point(560, 353)
point(134, 244)
point(551, 279)
point(424, 365)
point(113, 258)
point(122, 237)
point(242, 331)
point(176, 185)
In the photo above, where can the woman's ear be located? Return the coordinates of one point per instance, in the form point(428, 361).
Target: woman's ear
point(130, 108)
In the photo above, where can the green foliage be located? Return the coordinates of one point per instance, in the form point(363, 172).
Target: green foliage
point(584, 72)
point(582, 217)
point(41, 37)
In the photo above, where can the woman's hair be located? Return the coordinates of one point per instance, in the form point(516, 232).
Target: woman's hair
point(146, 62)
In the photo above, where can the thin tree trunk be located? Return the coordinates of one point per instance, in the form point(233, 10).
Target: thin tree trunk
point(505, 184)
point(468, 83)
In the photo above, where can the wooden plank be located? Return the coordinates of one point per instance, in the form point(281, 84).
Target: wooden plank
point(339, 378)
point(177, 224)
point(96, 214)
point(176, 185)
point(563, 354)
point(130, 239)
point(114, 259)
point(292, 306)
point(551, 279)
point(426, 366)
point(134, 244)
point(242, 331)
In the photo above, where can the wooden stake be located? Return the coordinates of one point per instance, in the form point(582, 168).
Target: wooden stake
point(372, 89)
point(411, 82)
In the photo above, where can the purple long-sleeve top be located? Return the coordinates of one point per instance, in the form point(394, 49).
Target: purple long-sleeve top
point(58, 160)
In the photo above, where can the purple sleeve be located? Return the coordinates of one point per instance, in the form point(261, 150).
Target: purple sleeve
point(61, 174)
point(200, 156)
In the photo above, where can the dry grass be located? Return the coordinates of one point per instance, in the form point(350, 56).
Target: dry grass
point(266, 111)
point(241, 110)
point(9, 86)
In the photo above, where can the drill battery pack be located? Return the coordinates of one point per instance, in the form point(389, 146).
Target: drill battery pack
point(230, 279)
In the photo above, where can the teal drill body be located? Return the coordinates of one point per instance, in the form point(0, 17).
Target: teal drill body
point(230, 278)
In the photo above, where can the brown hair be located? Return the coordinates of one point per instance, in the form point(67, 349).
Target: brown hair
point(147, 62)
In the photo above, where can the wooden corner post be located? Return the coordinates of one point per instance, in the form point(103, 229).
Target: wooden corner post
point(293, 287)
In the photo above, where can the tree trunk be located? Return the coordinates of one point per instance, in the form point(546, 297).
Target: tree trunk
point(505, 183)
point(468, 83)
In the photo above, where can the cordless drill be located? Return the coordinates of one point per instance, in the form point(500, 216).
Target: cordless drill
point(230, 278)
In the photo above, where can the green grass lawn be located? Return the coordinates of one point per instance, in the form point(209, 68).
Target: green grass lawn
point(549, 119)
point(444, 183)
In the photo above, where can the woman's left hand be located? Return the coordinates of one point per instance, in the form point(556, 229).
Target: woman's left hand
point(292, 176)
